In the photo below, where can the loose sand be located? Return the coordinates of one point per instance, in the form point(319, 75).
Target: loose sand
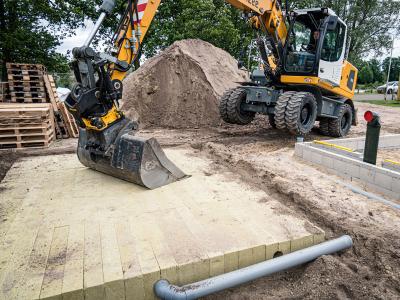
point(181, 87)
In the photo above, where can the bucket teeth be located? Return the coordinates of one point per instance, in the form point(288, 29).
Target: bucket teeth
point(116, 151)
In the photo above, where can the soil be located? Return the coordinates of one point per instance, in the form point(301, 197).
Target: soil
point(181, 87)
point(391, 154)
point(263, 157)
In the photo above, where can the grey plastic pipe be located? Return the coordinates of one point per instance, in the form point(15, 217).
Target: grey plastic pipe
point(369, 195)
point(164, 290)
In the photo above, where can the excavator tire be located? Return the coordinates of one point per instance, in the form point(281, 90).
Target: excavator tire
point(231, 107)
point(324, 126)
point(280, 109)
point(301, 113)
point(341, 126)
point(223, 105)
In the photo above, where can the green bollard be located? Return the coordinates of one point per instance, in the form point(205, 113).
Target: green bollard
point(372, 137)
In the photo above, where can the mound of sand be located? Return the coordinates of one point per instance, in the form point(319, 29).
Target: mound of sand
point(181, 87)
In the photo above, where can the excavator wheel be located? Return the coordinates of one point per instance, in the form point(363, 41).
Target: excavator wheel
point(230, 107)
point(337, 127)
point(296, 112)
point(324, 126)
point(280, 109)
point(341, 126)
point(223, 105)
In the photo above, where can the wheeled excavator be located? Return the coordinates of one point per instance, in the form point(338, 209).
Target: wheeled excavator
point(304, 76)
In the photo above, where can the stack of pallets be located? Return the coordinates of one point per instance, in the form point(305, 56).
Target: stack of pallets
point(26, 125)
point(31, 94)
point(26, 83)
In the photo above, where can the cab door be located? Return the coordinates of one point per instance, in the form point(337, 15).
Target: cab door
point(332, 51)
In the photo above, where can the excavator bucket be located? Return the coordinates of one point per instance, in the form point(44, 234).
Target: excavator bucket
point(116, 151)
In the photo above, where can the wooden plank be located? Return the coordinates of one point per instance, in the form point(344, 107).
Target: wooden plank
point(52, 95)
point(192, 259)
point(147, 259)
point(112, 268)
point(53, 276)
point(25, 66)
point(163, 253)
point(132, 271)
point(72, 287)
point(69, 121)
point(64, 123)
point(34, 273)
point(93, 265)
point(14, 251)
point(15, 83)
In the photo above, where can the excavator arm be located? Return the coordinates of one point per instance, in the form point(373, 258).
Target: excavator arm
point(107, 141)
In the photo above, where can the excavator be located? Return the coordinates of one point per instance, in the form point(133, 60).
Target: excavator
point(304, 77)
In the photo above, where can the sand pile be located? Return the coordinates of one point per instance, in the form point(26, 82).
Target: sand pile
point(181, 87)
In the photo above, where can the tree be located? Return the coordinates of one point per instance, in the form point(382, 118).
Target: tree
point(366, 75)
point(30, 30)
point(369, 22)
point(375, 66)
point(213, 21)
point(394, 69)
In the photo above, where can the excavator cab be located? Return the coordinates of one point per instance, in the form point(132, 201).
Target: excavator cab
point(316, 45)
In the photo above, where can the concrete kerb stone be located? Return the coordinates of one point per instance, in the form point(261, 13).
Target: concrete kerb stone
point(382, 179)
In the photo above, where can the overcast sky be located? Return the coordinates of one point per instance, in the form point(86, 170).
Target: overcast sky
point(81, 33)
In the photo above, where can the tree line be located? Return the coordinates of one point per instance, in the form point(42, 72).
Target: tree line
point(374, 72)
point(31, 30)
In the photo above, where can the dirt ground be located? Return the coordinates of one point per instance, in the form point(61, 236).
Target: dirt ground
point(264, 158)
point(391, 154)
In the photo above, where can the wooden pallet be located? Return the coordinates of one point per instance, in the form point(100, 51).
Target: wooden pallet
point(69, 120)
point(30, 94)
point(22, 145)
point(15, 99)
point(64, 121)
point(26, 66)
point(20, 77)
point(26, 89)
point(26, 125)
point(25, 72)
point(25, 84)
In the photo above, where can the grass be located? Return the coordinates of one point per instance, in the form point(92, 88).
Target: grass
point(383, 102)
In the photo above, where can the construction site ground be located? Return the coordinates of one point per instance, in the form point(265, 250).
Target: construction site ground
point(262, 159)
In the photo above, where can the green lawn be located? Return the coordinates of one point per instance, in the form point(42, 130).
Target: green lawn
point(383, 102)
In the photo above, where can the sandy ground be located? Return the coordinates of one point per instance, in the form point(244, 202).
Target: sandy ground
point(392, 154)
point(264, 158)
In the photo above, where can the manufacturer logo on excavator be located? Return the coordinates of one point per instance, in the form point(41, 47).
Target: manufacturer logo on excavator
point(253, 2)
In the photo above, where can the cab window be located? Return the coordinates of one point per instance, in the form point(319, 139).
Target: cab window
point(333, 43)
point(301, 48)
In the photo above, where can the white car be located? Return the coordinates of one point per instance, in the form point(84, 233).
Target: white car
point(393, 87)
